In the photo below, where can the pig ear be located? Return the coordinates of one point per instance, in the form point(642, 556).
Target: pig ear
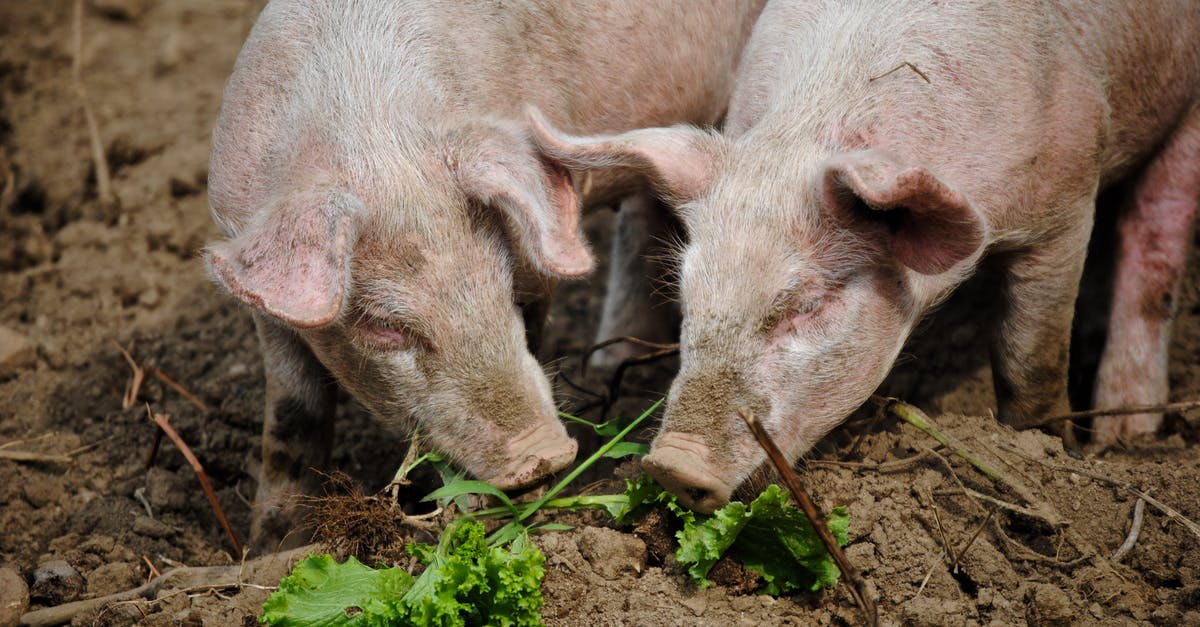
point(926, 224)
point(680, 161)
point(295, 263)
point(498, 168)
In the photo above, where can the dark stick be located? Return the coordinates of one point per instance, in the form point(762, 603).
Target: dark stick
point(614, 385)
point(628, 339)
point(858, 584)
point(1121, 411)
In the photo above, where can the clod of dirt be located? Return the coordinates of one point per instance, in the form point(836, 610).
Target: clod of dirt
point(55, 582)
point(16, 352)
point(14, 596)
point(1050, 606)
point(655, 531)
point(731, 574)
point(113, 577)
point(612, 554)
point(151, 528)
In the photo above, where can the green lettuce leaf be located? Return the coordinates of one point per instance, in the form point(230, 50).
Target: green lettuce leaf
point(319, 591)
point(465, 583)
point(779, 543)
point(770, 537)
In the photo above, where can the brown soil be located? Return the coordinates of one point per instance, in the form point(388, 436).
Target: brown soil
point(78, 278)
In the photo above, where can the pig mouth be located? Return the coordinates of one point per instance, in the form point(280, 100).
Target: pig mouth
point(534, 455)
point(679, 463)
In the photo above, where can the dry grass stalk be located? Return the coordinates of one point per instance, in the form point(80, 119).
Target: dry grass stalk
point(32, 456)
point(135, 385)
point(103, 179)
point(164, 422)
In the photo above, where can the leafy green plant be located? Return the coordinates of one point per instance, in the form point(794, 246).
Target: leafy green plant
point(516, 526)
point(465, 582)
point(473, 579)
point(770, 537)
point(468, 579)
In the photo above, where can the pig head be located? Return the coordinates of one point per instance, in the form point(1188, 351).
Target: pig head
point(798, 291)
point(410, 288)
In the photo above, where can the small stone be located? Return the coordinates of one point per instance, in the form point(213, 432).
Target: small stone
point(148, 298)
point(14, 597)
point(16, 352)
point(55, 582)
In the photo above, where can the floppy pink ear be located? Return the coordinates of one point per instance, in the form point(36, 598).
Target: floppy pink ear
point(500, 169)
point(294, 264)
point(926, 224)
point(680, 161)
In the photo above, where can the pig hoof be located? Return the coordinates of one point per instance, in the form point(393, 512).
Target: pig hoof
point(535, 457)
point(680, 468)
point(1108, 430)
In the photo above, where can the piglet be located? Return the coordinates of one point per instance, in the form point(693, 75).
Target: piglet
point(877, 154)
point(395, 232)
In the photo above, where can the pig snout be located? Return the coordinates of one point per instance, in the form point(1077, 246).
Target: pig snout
point(682, 464)
point(534, 454)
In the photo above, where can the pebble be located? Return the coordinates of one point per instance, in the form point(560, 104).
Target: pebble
point(16, 352)
point(14, 597)
point(55, 582)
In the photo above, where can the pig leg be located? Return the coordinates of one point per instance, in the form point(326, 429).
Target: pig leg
point(638, 303)
point(1154, 236)
point(1031, 342)
point(297, 435)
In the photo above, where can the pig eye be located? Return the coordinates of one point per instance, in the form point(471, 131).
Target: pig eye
point(387, 334)
point(792, 314)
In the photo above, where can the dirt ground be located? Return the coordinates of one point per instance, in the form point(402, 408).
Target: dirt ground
point(939, 543)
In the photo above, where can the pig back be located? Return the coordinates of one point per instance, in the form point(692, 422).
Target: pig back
point(1147, 55)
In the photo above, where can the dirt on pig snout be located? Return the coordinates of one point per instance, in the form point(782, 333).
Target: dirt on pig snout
point(75, 277)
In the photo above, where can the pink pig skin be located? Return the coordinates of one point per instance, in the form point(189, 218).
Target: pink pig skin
point(844, 200)
point(395, 230)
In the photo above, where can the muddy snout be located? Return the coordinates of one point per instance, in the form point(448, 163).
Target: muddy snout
point(680, 462)
point(534, 455)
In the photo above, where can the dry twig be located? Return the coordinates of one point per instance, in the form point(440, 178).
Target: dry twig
point(186, 579)
point(163, 422)
point(1170, 512)
point(1181, 406)
point(162, 376)
point(153, 569)
point(32, 456)
point(135, 384)
point(963, 551)
point(858, 585)
point(902, 65)
point(103, 179)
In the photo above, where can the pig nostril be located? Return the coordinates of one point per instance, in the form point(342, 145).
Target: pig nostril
point(697, 494)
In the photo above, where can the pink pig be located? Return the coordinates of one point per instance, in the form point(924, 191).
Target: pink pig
point(875, 154)
point(396, 232)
